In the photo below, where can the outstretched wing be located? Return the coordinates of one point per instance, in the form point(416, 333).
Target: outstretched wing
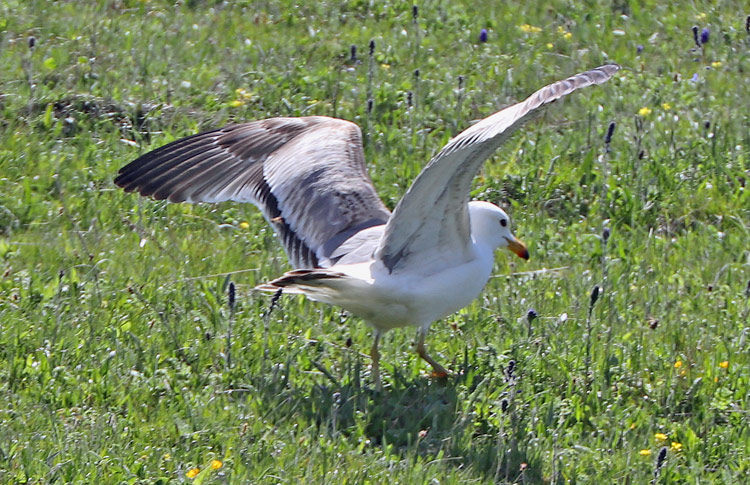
point(431, 222)
point(307, 175)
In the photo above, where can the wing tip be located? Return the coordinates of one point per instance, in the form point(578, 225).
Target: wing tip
point(607, 71)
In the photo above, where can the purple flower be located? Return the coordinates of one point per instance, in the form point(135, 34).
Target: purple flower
point(531, 315)
point(483, 35)
point(639, 48)
point(695, 78)
point(705, 33)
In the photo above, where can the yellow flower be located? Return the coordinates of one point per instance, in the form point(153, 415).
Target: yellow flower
point(567, 35)
point(700, 16)
point(678, 364)
point(550, 45)
point(216, 464)
point(236, 103)
point(724, 364)
point(166, 457)
point(666, 106)
point(193, 472)
point(716, 64)
point(530, 29)
point(644, 111)
point(676, 446)
point(660, 437)
point(644, 452)
point(244, 225)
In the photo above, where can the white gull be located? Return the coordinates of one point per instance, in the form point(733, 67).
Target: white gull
point(429, 258)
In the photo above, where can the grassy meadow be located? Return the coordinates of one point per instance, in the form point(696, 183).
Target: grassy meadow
point(121, 361)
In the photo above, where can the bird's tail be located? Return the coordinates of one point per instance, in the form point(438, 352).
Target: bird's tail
point(302, 281)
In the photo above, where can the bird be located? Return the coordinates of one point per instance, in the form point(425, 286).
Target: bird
point(427, 259)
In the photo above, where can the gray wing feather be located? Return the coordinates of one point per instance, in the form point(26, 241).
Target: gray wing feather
point(432, 219)
point(307, 175)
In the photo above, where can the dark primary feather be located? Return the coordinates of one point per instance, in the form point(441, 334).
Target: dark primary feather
point(307, 175)
point(433, 218)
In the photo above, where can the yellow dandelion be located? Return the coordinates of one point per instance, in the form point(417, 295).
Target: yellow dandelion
point(676, 446)
point(683, 372)
point(666, 106)
point(530, 29)
point(216, 464)
point(244, 225)
point(193, 472)
point(550, 45)
point(385, 66)
point(660, 437)
point(716, 379)
point(724, 364)
point(700, 16)
point(644, 452)
point(716, 64)
point(236, 103)
point(678, 364)
point(567, 36)
point(645, 111)
point(560, 29)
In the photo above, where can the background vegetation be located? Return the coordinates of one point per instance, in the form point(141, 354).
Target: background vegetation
point(120, 361)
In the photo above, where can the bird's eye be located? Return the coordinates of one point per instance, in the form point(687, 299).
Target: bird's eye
point(504, 222)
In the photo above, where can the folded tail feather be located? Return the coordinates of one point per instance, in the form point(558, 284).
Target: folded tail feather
point(291, 281)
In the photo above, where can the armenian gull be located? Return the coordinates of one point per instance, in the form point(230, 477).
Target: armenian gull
point(429, 258)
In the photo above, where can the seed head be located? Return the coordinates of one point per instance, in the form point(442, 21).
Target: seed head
point(610, 132)
point(32, 41)
point(695, 36)
point(661, 457)
point(594, 295)
point(372, 48)
point(231, 295)
point(531, 315)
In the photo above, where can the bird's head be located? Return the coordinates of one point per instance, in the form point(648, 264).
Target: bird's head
point(490, 226)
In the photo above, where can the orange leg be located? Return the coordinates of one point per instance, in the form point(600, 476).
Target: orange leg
point(375, 354)
point(437, 369)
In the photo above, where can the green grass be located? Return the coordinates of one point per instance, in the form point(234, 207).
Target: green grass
point(113, 308)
